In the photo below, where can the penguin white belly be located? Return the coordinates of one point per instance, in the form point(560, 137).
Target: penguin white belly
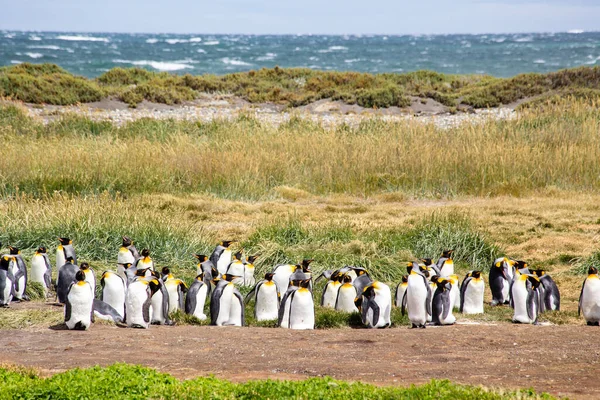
point(519, 293)
point(447, 269)
point(224, 261)
point(145, 263)
point(345, 300)
point(383, 299)
point(91, 279)
point(281, 276)
point(137, 294)
point(7, 294)
point(21, 282)
point(236, 269)
point(200, 300)
point(473, 301)
point(225, 304)
point(330, 295)
point(125, 256)
point(455, 296)
point(400, 290)
point(590, 303)
point(157, 316)
point(113, 294)
point(81, 300)
point(416, 297)
point(173, 290)
point(60, 258)
point(505, 290)
point(235, 312)
point(302, 310)
point(249, 279)
point(38, 270)
point(266, 307)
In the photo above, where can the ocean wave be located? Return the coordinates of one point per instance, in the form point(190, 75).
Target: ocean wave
point(159, 65)
point(34, 55)
point(353, 60)
point(211, 43)
point(230, 61)
point(151, 41)
point(45, 46)
point(576, 31)
point(195, 39)
point(35, 38)
point(176, 41)
point(539, 61)
point(524, 39)
point(16, 62)
point(333, 48)
point(499, 40)
point(267, 57)
point(9, 36)
point(201, 51)
point(78, 38)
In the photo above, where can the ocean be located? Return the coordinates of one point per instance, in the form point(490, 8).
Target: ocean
point(504, 55)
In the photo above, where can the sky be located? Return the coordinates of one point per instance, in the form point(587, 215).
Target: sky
point(301, 16)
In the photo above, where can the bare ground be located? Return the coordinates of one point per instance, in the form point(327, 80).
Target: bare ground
point(561, 360)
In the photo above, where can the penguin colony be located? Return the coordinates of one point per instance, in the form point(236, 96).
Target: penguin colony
point(138, 295)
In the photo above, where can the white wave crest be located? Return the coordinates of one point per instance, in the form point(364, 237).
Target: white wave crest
point(35, 38)
point(540, 61)
point(211, 43)
point(176, 41)
point(524, 39)
point(333, 48)
point(201, 51)
point(230, 61)
point(34, 55)
point(78, 38)
point(267, 57)
point(352, 60)
point(151, 41)
point(159, 65)
point(195, 39)
point(47, 47)
point(576, 31)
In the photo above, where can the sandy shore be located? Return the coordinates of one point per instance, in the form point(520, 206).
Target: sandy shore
point(328, 113)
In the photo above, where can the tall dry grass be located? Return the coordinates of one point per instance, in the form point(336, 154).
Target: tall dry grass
point(245, 159)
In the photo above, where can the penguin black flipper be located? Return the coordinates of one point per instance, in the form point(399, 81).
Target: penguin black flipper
point(463, 290)
point(216, 254)
point(404, 302)
point(325, 274)
point(165, 301)
point(67, 310)
point(446, 304)
point(531, 298)
point(323, 294)
point(428, 298)
point(369, 304)
point(215, 305)
point(146, 308)
point(510, 296)
point(255, 289)
point(181, 290)
point(190, 299)
point(239, 297)
point(580, 299)
point(286, 297)
point(48, 273)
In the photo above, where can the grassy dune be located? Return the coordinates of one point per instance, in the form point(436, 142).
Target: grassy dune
point(557, 147)
point(50, 84)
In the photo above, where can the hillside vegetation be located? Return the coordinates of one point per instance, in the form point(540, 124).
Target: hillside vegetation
point(50, 84)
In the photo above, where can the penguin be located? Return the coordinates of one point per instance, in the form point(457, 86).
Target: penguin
point(525, 299)
point(282, 274)
point(427, 264)
point(441, 306)
point(105, 311)
point(418, 297)
point(471, 293)
point(113, 291)
point(177, 289)
point(196, 297)
point(346, 295)
point(19, 271)
point(500, 281)
point(551, 294)
point(90, 277)
point(79, 304)
point(445, 264)
point(302, 273)
point(138, 302)
point(64, 251)
point(400, 290)
point(66, 276)
point(455, 291)
point(144, 261)
point(266, 299)
point(221, 256)
point(330, 291)
point(128, 254)
point(361, 282)
point(589, 299)
point(226, 303)
point(127, 272)
point(41, 269)
point(375, 305)
point(249, 268)
point(301, 307)
point(160, 298)
point(236, 268)
point(208, 271)
point(6, 281)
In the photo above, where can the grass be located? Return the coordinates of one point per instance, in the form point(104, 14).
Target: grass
point(301, 159)
point(50, 84)
point(123, 381)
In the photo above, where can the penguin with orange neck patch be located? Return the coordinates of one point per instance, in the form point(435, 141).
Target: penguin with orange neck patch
point(79, 304)
point(266, 299)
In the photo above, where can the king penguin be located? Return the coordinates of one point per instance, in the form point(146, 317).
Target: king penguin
point(64, 251)
point(66, 276)
point(90, 277)
point(346, 295)
point(525, 299)
point(144, 262)
point(551, 294)
point(79, 304)
point(138, 302)
point(221, 256)
point(589, 299)
point(330, 291)
point(375, 305)
point(41, 269)
point(6, 281)
point(283, 272)
point(113, 291)
point(196, 297)
point(249, 279)
point(226, 303)
point(471, 296)
point(441, 306)
point(301, 307)
point(208, 271)
point(500, 281)
point(266, 299)
point(400, 290)
point(236, 268)
point(177, 289)
point(128, 254)
point(445, 264)
point(106, 312)
point(418, 297)
point(19, 270)
point(455, 291)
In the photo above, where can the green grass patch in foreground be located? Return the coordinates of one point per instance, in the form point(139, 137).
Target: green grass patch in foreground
point(123, 381)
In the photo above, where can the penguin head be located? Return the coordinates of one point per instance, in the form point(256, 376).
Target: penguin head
point(409, 267)
point(476, 274)
point(141, 272)
point(442, 284)
point(305, 283)
point(126, 265)
point(145, 253)
point(306, 264)
point(503, 270)
point(251, 259)
point(65, 241)
point(154, 286)
point(69, 259)
point(201, 257)
point(538, 272)
point(80, 276)
point(347, 279)
point(165, 271)
point(592, 271)
point(360, 271)
point(404, 278)
point(238, 255)
point(447, 253)
point(520, 264)
point(435, 278)
point(84, 267)
point(14, 250)
point(229, 277)
point(5, 261)
point(424, 270)
point(535, 281)
point(126, 241)
point(200, 278)
point(269, 276)
point(427, 261)
point(226, 243)
point(41, 250)
point(369, 291)
point(214, 272)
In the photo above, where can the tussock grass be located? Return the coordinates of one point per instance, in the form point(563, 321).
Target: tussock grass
point(245, 159)
point(27, 318)
point(123, 381)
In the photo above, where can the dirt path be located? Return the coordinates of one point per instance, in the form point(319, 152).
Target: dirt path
point(562, 360)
